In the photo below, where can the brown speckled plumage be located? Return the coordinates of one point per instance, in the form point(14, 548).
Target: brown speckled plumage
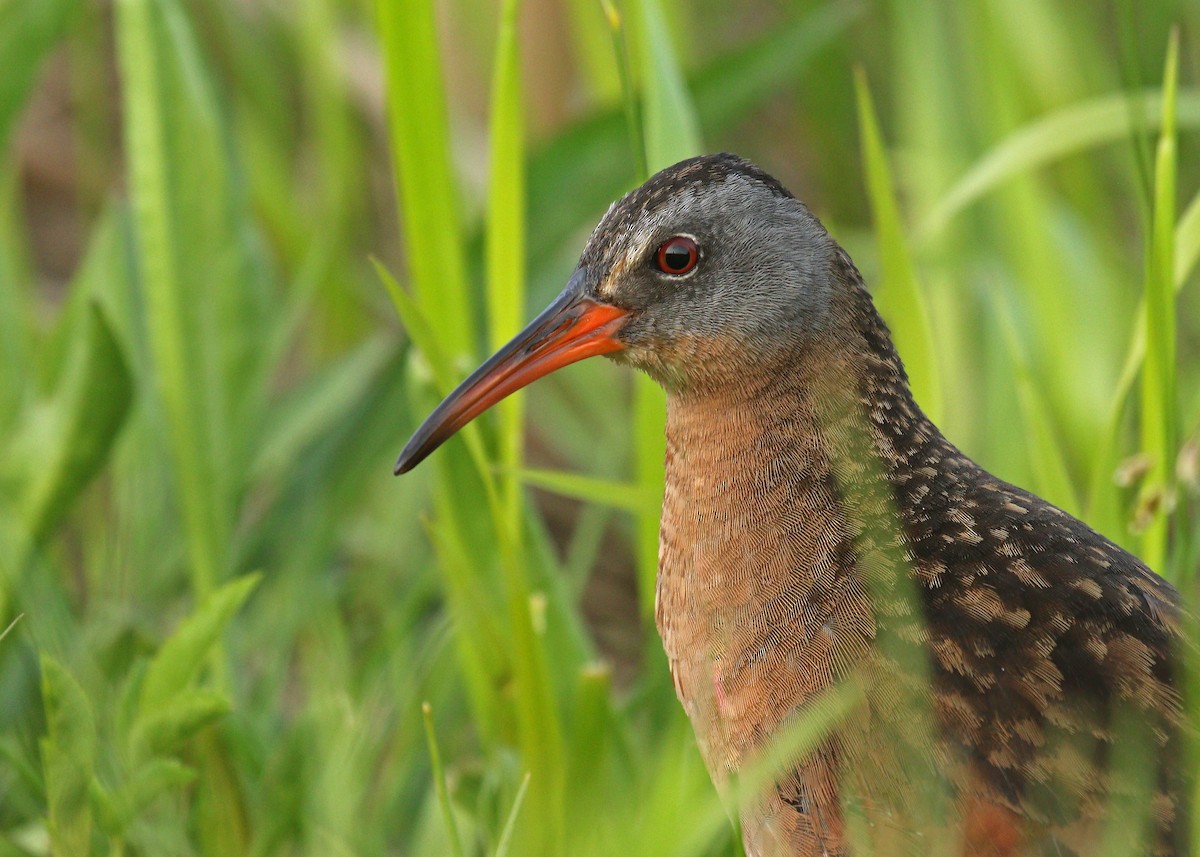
point(818, 529)
point(1036, 626)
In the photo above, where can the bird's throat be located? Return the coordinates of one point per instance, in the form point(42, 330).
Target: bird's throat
point(768, 484)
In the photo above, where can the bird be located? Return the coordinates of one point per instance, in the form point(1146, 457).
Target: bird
point(819, 532)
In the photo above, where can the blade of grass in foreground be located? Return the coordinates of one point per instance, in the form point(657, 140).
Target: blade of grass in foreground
point(1158, 413)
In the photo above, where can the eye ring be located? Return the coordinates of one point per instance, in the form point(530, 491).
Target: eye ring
point(677, 256)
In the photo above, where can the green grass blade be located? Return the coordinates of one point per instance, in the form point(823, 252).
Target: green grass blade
point(629, 100)
point(505, 241)
point(445, 376)
point(161, 106)
point(671, 129)
point(1094, 122)
point(510, 823)
point(439, 781)
point(424, 176)
point(1187, 242)
point(178, 661)
point(619, 495)
point(1048, 464)
point(1103, 499)
point(1158, 400)
point(900, 298)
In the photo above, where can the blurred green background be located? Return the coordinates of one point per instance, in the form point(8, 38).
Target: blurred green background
point(246, 245)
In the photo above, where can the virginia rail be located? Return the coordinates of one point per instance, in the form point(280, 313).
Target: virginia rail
point(818, 528)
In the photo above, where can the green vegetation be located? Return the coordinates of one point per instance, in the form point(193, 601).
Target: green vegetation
point(245, 247)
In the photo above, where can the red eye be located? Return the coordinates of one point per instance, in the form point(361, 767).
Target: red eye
point(678, 255)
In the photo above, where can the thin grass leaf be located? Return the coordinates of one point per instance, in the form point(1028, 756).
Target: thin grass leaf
point(1158, 411)
point(505, 242)
point(11, 625)
point(620, 495)
point(900, 298)
point(510, 823)
point(439, 781)
point(1096, 121)
point(425, 337)
point(1103, 499)
point(1187, 242)
point(424, 177)
point(628, 92)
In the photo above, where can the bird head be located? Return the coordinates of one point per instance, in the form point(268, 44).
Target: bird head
point(694, 277)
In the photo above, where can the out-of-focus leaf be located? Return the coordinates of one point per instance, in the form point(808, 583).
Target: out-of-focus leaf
point(117, 809)
point(177, 662)
point(28, 30)
point(1091, 123)
point(94, 398)
point(424, 180)
point(164, 729)
point(619, 495)
point(306, 414)
point(68, 757)
point(900, 298)
point(1052, 479)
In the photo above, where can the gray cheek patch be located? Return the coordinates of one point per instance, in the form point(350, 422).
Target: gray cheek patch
point(765, 258)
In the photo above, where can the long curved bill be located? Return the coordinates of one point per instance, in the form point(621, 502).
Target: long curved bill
point(571, 328)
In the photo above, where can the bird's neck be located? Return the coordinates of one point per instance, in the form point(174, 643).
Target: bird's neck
point(776, 488)
point(829, 403)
